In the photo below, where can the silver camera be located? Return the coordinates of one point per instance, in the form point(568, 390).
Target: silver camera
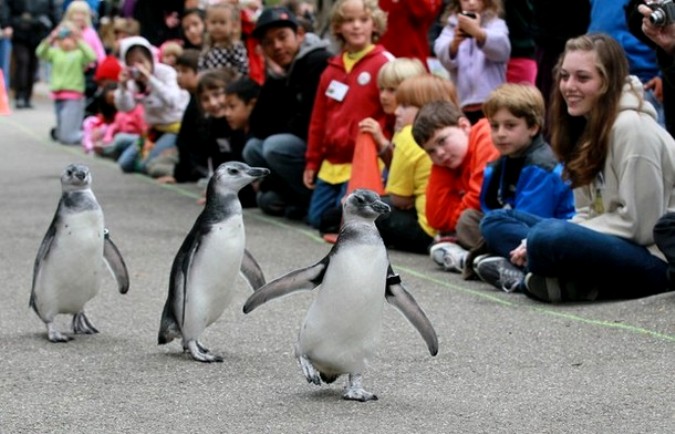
point(134, 72)
point(663, 13)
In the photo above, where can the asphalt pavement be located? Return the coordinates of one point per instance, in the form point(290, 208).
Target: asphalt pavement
point(506, 364)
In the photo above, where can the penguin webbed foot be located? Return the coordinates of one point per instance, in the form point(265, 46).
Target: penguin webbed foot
point(202, 354)
point(82, 325)
point(311, 374)
point(354, 390)
point(55, 336)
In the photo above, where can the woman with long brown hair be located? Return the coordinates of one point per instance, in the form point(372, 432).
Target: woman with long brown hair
point(621, 165)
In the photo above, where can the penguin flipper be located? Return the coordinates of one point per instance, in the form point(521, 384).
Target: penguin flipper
point(251, 271)
point(304, 278)
point(113, 259)
point(42, 253)
point(401, 299)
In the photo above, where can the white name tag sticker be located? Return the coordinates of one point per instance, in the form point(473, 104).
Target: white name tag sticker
point(337, 90)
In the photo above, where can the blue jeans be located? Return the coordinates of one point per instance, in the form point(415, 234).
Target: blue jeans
point(130, 159)
point(69, 118)
point(5, 55)
point(558, 248)
point(284, 155)
point(324, 197)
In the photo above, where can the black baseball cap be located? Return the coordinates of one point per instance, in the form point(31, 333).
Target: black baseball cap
point(275, 16)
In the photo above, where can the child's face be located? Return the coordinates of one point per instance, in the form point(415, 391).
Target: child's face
point(193, 29)
point(219, 25)
point(67, 44)
point(357, 26)
point(510, 134)
point(448, 146)
point(186, 77)
point(169, 59)
point(213, 102)
point(405, 115)
point(237, 112)
point(136, 57)
point(476, 6)
point(388, 99)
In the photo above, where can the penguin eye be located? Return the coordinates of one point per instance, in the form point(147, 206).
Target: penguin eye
point(232, 171)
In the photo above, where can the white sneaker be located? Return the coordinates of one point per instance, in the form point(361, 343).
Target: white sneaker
point(448, 255)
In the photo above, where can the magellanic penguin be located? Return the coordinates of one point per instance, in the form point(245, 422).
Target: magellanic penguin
point(206, 265)
point(342, 325)
point(69, 264)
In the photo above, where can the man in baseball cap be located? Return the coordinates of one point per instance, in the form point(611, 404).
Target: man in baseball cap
point(280, 119)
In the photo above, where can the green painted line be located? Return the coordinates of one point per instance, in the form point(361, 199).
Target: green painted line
point(311, 234)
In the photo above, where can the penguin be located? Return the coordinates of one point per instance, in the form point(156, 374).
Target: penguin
point(205, 267)
point(341, 327)
point(69, 264)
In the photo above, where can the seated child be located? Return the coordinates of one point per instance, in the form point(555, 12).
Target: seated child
point(169, 53)
point(459, 152)
point(153, 85)
point(406, 227)
point(224, 144)
point(100, 129)
point(69, 55)
point(527, 177)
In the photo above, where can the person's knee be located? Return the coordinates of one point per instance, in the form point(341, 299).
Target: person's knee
point(545, 234)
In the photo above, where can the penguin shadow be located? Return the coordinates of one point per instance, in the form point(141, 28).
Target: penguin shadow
point(325, 394)
point(181, 356)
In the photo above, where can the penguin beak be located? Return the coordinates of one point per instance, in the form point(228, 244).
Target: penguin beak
point(81, 175)
point(258, 172)
point(381, 207)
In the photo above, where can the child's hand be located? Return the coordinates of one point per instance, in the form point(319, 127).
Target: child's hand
point(370, 125)
point(308, 178)
point(518, 255)
point(469, 26)
point(402, 202)
point(656, 84)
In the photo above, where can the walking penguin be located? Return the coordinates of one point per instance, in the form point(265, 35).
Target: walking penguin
point(340, 329)
point(207, 263)
point(69, 264)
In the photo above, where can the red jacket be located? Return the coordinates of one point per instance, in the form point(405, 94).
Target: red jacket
point(334, 124)
point(408, 22)
point(451, 191)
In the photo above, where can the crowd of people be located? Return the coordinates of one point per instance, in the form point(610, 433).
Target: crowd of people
point(525, 143)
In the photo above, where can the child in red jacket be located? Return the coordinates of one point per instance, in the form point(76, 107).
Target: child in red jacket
point(459, 152)
point(347, 94)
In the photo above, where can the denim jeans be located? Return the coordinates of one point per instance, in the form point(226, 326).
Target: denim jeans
point(129, 161)
point(558, 248)
point(284, 155)
point(324, 197)
point(69, 119)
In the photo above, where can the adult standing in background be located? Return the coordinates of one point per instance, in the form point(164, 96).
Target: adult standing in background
point(160, 20)
point(28, 22)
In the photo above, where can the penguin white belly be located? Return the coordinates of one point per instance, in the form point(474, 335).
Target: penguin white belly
point(71, 273)
point(342, 325)
point(213, 270)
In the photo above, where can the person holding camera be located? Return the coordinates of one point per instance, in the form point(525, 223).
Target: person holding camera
point(153, 84)
point(68, 55)
point(474, 47)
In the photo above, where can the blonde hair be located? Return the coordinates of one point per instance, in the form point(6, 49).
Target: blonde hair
point(171, 48)
point(234, 12)
point(422, 89)
point(395, 71)
point(522, 100)
point(78, 6)
point(371, 6)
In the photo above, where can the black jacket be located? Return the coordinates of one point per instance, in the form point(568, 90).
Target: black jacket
point(284, 104)
point(31, 20)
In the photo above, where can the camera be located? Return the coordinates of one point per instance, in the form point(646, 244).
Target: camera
point(663, 13)
point(134, 72)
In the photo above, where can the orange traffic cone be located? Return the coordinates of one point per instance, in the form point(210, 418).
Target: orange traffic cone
point(366, 171)
point(4, 101)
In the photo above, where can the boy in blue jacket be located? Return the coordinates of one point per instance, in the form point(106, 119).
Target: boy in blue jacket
point(526, 177)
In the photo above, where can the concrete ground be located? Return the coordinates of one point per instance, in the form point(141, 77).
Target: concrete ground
point(506, 364)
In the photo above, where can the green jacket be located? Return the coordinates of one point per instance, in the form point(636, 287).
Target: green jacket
point(67, 66)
